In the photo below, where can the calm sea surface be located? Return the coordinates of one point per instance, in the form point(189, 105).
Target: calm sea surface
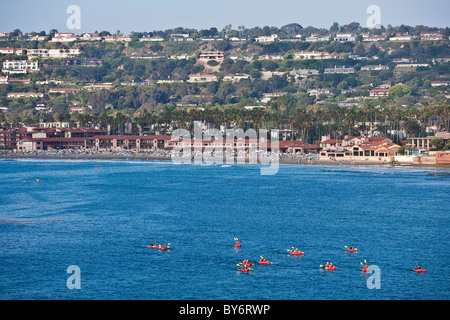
point(101, 219)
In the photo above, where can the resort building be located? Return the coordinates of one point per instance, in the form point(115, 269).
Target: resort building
point(359, 148)
point(424, 145)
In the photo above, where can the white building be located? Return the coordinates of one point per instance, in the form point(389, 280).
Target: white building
point(53, 53)
point(375, 67)
point(202, 78)
point(235, 77)
point(338, 70)
point(20, 66)
point(267, 39)
point(64, 37)
point(304, 72)
point(345, 37)
point(401, 38)
point(25, 95)
point(317, 38)
point(308, 55)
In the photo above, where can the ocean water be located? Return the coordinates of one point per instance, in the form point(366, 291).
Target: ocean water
point(101, 219)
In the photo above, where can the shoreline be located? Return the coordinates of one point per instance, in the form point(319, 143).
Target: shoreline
point(143, 157)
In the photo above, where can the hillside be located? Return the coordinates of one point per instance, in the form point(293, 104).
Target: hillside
point(283, 71)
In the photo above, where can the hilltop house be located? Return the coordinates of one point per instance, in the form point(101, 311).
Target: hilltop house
point(20, 66)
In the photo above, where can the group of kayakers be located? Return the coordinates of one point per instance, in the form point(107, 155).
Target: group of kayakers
point(163, 247)
point(295, 251)
point(37, 180)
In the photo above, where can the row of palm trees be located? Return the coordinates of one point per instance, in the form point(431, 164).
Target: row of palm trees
point(308, 124)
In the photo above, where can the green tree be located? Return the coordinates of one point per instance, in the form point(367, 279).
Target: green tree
point(399, 90)
point(437, 144)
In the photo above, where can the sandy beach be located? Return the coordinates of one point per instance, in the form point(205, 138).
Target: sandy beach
point(146, 157)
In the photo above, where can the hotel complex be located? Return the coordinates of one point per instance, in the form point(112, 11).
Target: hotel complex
point(35, 139)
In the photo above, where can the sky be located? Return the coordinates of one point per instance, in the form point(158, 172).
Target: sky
point(150, 15)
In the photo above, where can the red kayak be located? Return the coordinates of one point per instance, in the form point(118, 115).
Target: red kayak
point(365, 269)
point(419, 270)
point(265, 262)
point(244, 270)
point(237, 245)
point(330, 268)
point(296, 253)
point(156, 247)
point(352, 250)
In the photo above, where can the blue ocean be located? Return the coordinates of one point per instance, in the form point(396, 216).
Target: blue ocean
point(100, 216)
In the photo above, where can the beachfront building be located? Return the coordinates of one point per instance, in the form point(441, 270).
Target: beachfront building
point(423, 144)
point(13, 138)
point(87, 139)
point(359, 148)
point(298, 146)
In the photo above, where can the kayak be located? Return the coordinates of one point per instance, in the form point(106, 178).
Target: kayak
point(153, 247)
point(352, 250)
point(365, 269)
point(297, 253)
point(237, 245)
point(244, 270)
point(264, 262)
point(330, 268)
point(419, 270)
